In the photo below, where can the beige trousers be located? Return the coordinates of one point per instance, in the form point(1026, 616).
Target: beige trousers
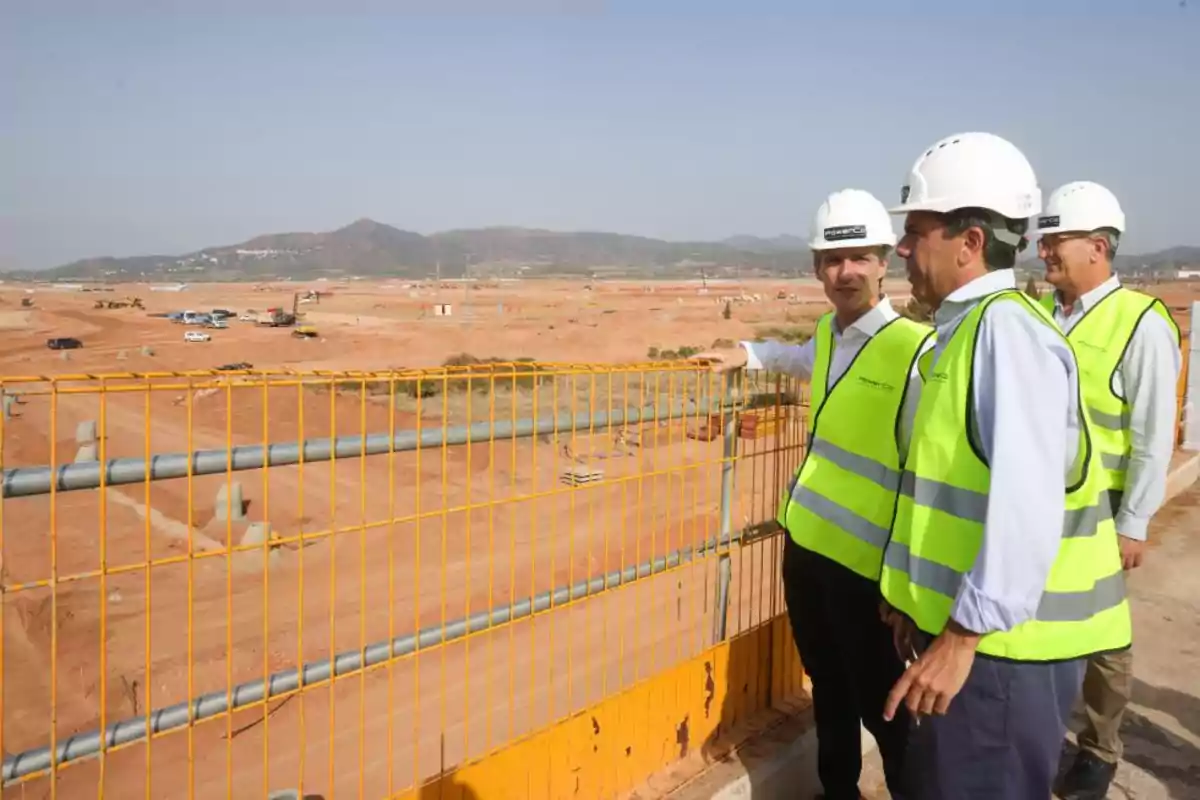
point(1107, 686)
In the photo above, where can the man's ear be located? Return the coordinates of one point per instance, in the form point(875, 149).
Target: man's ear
point(973, 242)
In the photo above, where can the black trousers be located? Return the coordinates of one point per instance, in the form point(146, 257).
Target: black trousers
point(1002, 736)
point(849, 656)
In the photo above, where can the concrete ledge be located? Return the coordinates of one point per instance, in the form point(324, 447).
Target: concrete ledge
point(1185, 470)
point(781, 761)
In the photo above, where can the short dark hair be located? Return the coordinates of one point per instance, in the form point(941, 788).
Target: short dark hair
point(1003, 237)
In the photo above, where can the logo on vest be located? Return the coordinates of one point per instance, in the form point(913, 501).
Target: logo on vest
point(879, 386)
point(1098, 347)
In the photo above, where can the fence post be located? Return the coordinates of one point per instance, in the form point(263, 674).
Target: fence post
point(1191, 394)
point(729, 423)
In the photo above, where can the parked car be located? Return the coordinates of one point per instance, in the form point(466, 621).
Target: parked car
point(218, 322)
point(197, 336)
point(63, 343)
point(246, 318)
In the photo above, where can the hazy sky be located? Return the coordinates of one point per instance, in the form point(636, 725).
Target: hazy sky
point(151, 130)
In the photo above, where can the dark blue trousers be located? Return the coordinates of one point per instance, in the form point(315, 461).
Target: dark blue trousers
point(1002, 736)
point(849, 656)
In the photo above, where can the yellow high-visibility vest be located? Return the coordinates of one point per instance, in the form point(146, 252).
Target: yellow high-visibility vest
point(1100, 340)
point(843, 495)
point(938, 528)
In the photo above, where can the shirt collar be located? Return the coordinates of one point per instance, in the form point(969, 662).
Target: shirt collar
point(873, 321)
point(967, 294)
point(1089, 299)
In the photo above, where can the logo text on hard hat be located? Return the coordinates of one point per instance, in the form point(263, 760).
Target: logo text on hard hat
point(1048, 222)
point(843, 232)
point(904, 192)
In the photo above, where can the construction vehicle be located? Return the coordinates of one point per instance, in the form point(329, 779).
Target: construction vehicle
point(278, 318)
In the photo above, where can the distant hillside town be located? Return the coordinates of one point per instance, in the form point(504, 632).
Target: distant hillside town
point(371, 249)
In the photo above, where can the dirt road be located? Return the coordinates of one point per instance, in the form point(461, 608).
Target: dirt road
point(1162, 726)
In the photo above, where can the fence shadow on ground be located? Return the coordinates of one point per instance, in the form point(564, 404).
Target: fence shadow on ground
point(1168, 758)
point(763, 714)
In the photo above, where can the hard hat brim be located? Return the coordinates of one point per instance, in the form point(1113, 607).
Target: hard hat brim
point(817, 245)
point(935, 205)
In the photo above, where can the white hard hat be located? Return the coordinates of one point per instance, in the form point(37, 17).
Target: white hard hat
point(1081, 206)
point(851, 218)
point(972, 170)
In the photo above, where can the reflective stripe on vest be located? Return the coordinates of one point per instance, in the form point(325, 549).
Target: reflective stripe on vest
point(1100, 340)
point(940, 516)
point(843, 497)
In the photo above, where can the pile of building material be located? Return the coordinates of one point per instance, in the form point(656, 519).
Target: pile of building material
point(710, 429)
point(580, 475)
point(763, 422)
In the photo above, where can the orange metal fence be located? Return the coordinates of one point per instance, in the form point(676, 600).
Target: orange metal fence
point(462, 564)
point(499, 580)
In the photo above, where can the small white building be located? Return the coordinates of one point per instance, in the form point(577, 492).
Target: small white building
point(1188, 274)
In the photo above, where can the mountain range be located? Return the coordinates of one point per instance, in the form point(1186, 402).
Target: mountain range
point(371, 249)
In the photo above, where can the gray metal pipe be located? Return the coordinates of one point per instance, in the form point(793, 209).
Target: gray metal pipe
point(83, 745)
point(25, 481)
point(724, 567)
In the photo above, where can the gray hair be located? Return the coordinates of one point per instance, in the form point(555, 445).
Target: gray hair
point(1111, 237)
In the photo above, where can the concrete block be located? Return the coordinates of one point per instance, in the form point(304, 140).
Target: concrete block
point(230, 504)
point(251, 561)
point(256, 533)
point(1184, 473)
point(1191, 402)
point(87, 452)
point(85, 432)
point(64, 355)
point(122, 355)
point(147, 350)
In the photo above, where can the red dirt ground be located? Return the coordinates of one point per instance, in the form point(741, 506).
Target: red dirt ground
point(418, 538)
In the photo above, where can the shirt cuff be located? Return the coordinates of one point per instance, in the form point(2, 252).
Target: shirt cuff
point(752, 360)
point(1131, 527)
point(981, 614)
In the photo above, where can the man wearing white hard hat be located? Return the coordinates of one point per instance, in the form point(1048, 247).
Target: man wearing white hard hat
point(1129, 358)
point(1002, 567)
point(861, 363)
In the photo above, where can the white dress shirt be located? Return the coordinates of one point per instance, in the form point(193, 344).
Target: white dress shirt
point(1027, 426)
point(1146, 378)
point(798, 360)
